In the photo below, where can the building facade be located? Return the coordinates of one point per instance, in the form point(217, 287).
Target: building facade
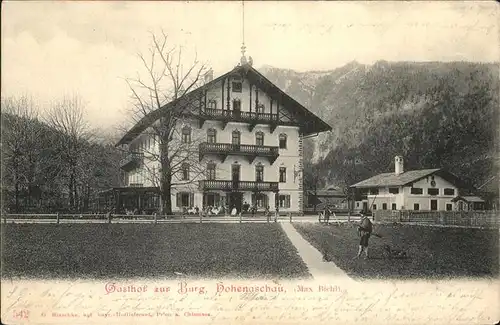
point(242, 139)
point(425, 189)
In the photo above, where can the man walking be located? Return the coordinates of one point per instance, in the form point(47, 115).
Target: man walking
point(365, 229)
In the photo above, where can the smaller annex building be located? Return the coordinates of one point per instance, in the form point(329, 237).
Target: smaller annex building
point(423, 189)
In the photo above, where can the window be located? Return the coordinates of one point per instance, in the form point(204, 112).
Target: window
point(374, 191)
point(211, 199)
point(449, 191)
point(282, 141)
point(237, 86)
point(416, 206)
point(357, 204)
point(212, 103)
point(260, 200)
point(211, 171)
point(374, 207)
point(284, 201)
point(186, 134)
point(236, 105)
point(393, 190)
point(259, 173)
point(261, 108)
point(449, 207)
point(185, 171)
point(393, 206)
point(416, 190)
point(434, 205)
point(433, 191)
point(384, 206)
point(185, 199)
point(259, 138)
point(282, 174)
point(211, 136)
point(236, 137)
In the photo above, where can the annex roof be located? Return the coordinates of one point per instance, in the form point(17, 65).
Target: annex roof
point(310, 123)
point(391, 179)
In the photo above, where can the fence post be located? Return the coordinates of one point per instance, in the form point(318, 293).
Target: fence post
point(57, 217)
point(201, 217)
point(240, 217)
point(156, 218)
point(268, 218)
point(109, 218)
point(290, 215)
point(5, 219)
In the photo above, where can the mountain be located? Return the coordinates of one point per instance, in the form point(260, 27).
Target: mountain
point(435, 114)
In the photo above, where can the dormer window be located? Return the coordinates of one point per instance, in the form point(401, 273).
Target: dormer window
point(237, 86)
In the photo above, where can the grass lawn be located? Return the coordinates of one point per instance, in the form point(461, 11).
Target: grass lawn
point(147, 250)
point(433, 252)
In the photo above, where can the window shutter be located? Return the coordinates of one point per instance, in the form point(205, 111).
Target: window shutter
point(287, 201)
point(217, 199)
point(191, 199)
point(266, 201)
point(204, 199)
point(253, 199)
point(178, 200)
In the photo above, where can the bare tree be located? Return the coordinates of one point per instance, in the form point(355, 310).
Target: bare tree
point(67, 116)
point(20, 145)
point(163, 97)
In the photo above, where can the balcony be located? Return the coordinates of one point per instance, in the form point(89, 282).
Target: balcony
point(235, 186)
point(251, 151)
point(226, 116)
point(131, 161)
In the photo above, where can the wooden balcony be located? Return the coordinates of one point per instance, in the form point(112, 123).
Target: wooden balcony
point(226, 116)
point(235, 186)
point(249, 150)
point(131, 161)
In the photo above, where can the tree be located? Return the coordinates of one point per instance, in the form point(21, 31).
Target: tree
point(19, 135)
point(165, 99)
point(67, 116)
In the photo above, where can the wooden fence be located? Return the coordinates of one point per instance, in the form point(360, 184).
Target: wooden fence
point(451, 218)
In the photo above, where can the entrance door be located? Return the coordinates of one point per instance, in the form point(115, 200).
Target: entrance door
point(235, 176)
point(235, 201)
point(434, 205)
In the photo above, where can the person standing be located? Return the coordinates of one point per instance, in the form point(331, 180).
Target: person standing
point(327, 215)
point(365, 230)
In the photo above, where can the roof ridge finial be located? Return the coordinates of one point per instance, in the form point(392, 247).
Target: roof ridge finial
point(243, 59)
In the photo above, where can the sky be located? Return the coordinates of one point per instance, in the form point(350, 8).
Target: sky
point(54, 49)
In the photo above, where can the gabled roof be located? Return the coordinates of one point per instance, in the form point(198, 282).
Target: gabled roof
point(391, 179)
point(310, 123)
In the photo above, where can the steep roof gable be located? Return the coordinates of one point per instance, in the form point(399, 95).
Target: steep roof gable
point(310, 123)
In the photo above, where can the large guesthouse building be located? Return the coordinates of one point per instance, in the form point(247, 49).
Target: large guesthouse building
point(247, 136)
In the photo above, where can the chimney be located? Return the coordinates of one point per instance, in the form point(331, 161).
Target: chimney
point(398, 165)
point(209, 76)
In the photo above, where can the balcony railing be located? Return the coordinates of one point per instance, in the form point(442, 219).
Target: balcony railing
point(238, 185)
point(239, 115)
point(238, 149)
point(132, 160)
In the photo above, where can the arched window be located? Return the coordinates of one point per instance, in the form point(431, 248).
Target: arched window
point(236, 137)
point(236, 105)
point(185, 172)
point(212, 104)
point(282, 141)
point(186, 134)
point(259, 172)
point(211, 171)
point(259, 138)
point(261, 108)
point(211, 136)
